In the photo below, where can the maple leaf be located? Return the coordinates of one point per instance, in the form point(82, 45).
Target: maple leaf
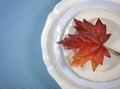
point(88, 40)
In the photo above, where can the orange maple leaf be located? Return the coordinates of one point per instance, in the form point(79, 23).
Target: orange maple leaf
point(89, 40)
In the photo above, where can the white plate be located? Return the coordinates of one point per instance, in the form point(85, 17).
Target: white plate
point(52, 53)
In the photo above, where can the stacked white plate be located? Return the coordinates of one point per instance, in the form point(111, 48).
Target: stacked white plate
point(60, 22)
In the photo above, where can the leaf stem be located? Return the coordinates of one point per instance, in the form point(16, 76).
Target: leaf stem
point(113, 51)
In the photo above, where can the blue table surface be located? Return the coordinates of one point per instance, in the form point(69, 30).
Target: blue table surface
point(21, 63)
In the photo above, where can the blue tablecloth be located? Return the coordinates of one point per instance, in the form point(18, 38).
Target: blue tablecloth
point(21, 63)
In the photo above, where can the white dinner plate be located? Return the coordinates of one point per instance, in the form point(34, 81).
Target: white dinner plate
point(54, 31)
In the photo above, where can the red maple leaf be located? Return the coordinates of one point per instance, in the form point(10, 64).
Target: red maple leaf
point(88, 40)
